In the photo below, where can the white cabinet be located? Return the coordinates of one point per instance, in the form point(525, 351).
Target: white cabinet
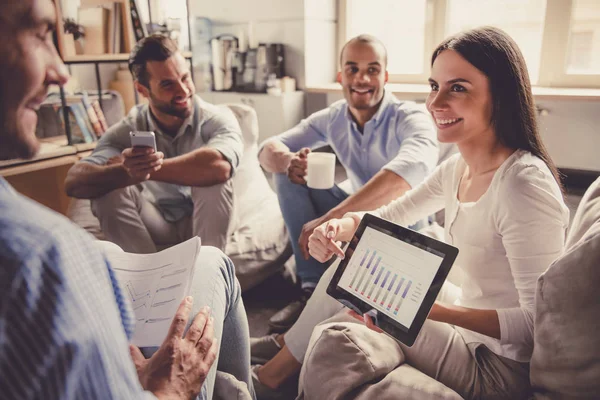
point(276, 114)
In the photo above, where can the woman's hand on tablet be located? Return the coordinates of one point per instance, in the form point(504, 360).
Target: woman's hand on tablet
point(366, 320)
point(322, 244)
point(326, 239)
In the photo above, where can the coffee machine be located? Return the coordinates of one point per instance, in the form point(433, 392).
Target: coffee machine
point(245, 71)
point(269, 61)
point(269, 58)
point(224, 50)
point(258, 64)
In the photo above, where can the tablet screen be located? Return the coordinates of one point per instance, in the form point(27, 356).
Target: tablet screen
point(391, 275)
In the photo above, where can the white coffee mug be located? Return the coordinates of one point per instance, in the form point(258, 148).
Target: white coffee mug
point(321, 170)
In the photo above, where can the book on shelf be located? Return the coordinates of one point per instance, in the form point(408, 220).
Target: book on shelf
point(77, 130)
point(139, 31)
point(82, 121)
point(109, 23)
point(110, 29)
point(49, 123)
point(101, 117)
point(88, 122)
point(114, 28)
point(117, 29)
point(92, 115)
point(95, 21)
point(86, 108)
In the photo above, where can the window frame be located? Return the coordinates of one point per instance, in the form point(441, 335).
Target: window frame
point(554, 51)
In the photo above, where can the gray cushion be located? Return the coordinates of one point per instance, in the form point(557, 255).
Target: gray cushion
point(259, 246)
point(566, 355)
point(227, 387)
point(586, 215)
point(346, 360)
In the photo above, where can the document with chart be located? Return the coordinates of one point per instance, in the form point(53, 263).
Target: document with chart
point(156, 284)
point(390, 275)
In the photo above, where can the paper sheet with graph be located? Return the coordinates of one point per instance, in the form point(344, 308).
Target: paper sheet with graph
point(156, 284)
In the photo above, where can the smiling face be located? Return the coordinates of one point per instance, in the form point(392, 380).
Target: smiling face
point(363, 74)
point(170, 88)
point(30, 64)
point(460, 100)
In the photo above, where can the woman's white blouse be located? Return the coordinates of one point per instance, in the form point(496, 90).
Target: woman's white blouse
point(506, 240)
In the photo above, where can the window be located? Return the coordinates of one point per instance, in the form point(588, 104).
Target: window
point(580, 52)
point(522, 20)
point(401, 28)
point(560, 39)
point(584, 43)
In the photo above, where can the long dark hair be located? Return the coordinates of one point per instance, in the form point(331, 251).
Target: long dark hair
point(514, 116)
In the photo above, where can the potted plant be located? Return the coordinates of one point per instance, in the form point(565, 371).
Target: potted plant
point(74, 37)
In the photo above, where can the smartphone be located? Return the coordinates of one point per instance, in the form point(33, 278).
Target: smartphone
point(142, 138)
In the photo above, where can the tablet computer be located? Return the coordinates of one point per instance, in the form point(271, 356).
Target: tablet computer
point(392, 273)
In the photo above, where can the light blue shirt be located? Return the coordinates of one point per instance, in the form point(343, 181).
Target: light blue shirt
point(64, 321)
point(209, 126)
point(400, 137)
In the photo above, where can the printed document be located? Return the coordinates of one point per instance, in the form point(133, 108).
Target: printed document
point(155, 284)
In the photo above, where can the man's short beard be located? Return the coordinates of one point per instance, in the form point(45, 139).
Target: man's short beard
point(169, 109)
point(363, 106)
point(15, 144)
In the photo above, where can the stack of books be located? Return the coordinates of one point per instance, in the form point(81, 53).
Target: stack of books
point(86, 119)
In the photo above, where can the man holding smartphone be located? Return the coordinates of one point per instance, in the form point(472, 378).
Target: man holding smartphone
point(146, 198)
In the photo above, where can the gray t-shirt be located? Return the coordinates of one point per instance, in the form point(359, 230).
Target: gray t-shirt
point(209, 126)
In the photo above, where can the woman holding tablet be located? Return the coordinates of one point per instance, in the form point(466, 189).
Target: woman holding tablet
point(503, 209)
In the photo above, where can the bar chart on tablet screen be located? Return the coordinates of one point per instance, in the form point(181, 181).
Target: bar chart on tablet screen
point(390, 275)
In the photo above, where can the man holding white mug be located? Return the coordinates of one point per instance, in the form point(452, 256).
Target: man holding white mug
point(386, 146)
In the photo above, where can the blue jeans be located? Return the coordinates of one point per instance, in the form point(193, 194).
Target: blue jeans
point(300, 204)
point(216, 286)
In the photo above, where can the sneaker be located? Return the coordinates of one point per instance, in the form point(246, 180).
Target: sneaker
point(264, 392)
point(264, 348)
point(283, 319)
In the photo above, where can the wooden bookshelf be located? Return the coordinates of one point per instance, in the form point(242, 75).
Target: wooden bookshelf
point(92, 58)
point(38, 165)
point(105, 58)
point(51, 150)
point(126, 30)
point(127, 36)
point(43, 177)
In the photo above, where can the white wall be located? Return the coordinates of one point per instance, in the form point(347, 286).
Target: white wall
point(571, 133)
point(306, 27)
